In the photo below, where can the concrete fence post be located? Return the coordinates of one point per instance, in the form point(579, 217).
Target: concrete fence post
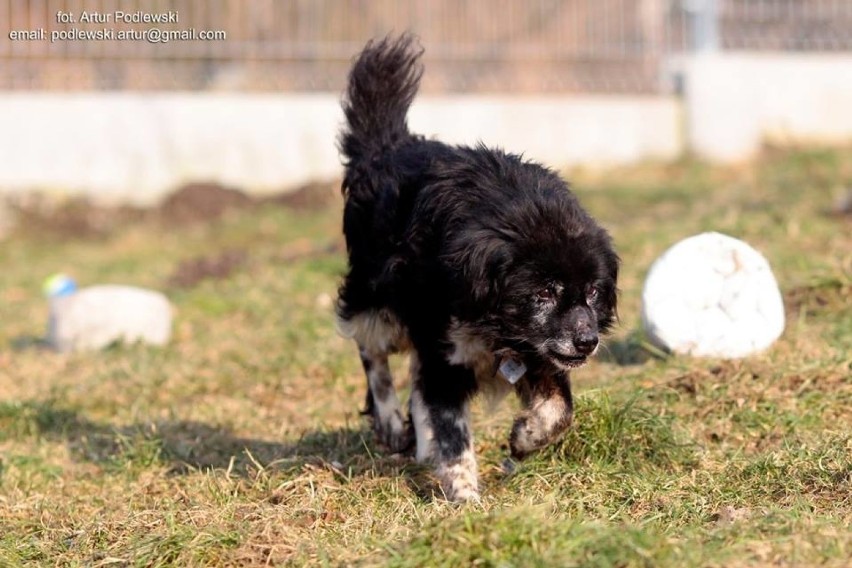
point(704, 24)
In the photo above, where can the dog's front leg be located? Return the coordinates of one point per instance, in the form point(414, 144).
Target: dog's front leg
point(441, 416)
point(547, 414)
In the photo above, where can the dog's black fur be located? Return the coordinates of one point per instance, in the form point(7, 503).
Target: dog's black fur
point(468, 257)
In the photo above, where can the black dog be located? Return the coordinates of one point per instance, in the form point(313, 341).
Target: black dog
point(482, 265)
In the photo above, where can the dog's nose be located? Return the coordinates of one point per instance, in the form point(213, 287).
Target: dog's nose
point(585, 343)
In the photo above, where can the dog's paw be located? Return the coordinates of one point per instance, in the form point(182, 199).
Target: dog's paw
point(393, 433)
point(527, 436)
point(463, 494)
point(458, 479)
point(535, 430)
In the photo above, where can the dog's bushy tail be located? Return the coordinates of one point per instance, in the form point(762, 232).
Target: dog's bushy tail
point(382, 84)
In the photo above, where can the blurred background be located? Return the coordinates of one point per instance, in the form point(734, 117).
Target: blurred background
point(569, 82)
point(473, 46)
point(208, 170)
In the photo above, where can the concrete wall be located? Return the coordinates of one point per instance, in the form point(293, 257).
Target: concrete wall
point(137, 147)
point(736, 101)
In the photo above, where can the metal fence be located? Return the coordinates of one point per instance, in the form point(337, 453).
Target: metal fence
point(786, 25)
point(609, 46)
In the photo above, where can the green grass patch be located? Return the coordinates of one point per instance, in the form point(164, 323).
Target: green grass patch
point(240, 443)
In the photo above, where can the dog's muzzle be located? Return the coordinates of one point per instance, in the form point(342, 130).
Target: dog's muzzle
point(567, 361)
point(572, 354)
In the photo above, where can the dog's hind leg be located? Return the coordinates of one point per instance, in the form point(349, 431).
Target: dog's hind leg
point(382, 402)
point(547, 414)
point(441, 416)
point(379, 333)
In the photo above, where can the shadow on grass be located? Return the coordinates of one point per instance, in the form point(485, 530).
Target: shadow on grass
point(26, 342)
point(189, 446)
point(634, 349)
point(627, 433)
point(185, 447)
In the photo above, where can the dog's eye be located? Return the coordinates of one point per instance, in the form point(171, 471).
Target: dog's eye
point(546, 294)
point(591, 294)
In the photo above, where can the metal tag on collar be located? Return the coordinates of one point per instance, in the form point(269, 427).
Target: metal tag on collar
point(512, 369)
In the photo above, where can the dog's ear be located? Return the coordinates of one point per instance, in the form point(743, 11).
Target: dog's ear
point(480, 264)
point(610, 292)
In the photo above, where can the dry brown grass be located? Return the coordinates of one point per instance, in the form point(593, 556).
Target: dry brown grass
point(240, 443)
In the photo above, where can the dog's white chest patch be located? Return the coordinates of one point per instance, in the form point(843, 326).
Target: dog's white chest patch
point(512, 369)
point(471, 351)
point(468, 349)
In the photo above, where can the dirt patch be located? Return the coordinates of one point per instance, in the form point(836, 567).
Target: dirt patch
point(42, 216)
point(204, 202)
point(201, 202)
point(822, 297)
point(305, 248)
point(310, 197)
point(724, 371)
point(192, 271)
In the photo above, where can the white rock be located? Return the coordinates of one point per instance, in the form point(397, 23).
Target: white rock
point(98, 316)
point(712, 295)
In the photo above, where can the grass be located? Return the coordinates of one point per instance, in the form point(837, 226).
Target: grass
point(240, 443)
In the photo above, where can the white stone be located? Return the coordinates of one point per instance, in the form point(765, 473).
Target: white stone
point(98, 316)
point(712, 295)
